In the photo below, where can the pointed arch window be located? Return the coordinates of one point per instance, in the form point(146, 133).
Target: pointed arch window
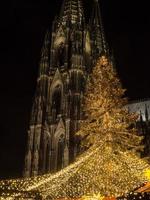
point(60, 152)
point(61, 54)
point(56, 100)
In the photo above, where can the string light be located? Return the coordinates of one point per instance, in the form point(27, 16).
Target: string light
point(98, 171)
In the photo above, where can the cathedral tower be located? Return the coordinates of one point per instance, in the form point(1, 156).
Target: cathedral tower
point(67, 57)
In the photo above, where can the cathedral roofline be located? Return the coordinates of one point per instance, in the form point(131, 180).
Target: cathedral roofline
point(138, 100)
point(141, 107)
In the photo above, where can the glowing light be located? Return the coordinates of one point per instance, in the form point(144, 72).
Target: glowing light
point(147, 173)
point(94, 197)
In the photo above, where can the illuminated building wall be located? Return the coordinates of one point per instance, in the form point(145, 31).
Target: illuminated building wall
point(67, 56)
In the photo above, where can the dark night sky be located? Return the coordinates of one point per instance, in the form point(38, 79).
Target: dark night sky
point(22, 26)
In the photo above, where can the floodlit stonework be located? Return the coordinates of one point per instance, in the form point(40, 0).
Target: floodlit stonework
point(67, 57)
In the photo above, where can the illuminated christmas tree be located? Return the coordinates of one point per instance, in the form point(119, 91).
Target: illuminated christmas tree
point(104, 111)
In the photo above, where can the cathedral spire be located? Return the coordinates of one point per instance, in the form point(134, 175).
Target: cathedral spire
point(44, 62)
point(72, 11)
point(96, 25)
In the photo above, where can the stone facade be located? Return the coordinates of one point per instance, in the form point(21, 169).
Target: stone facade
point(142, 108)
point(67, 57)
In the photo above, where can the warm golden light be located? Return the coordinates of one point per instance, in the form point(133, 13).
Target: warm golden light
point(109, 167)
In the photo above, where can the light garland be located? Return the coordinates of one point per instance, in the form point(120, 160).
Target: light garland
point(98, 171)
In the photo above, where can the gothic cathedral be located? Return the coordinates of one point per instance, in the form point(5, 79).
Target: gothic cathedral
point(67, 57)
